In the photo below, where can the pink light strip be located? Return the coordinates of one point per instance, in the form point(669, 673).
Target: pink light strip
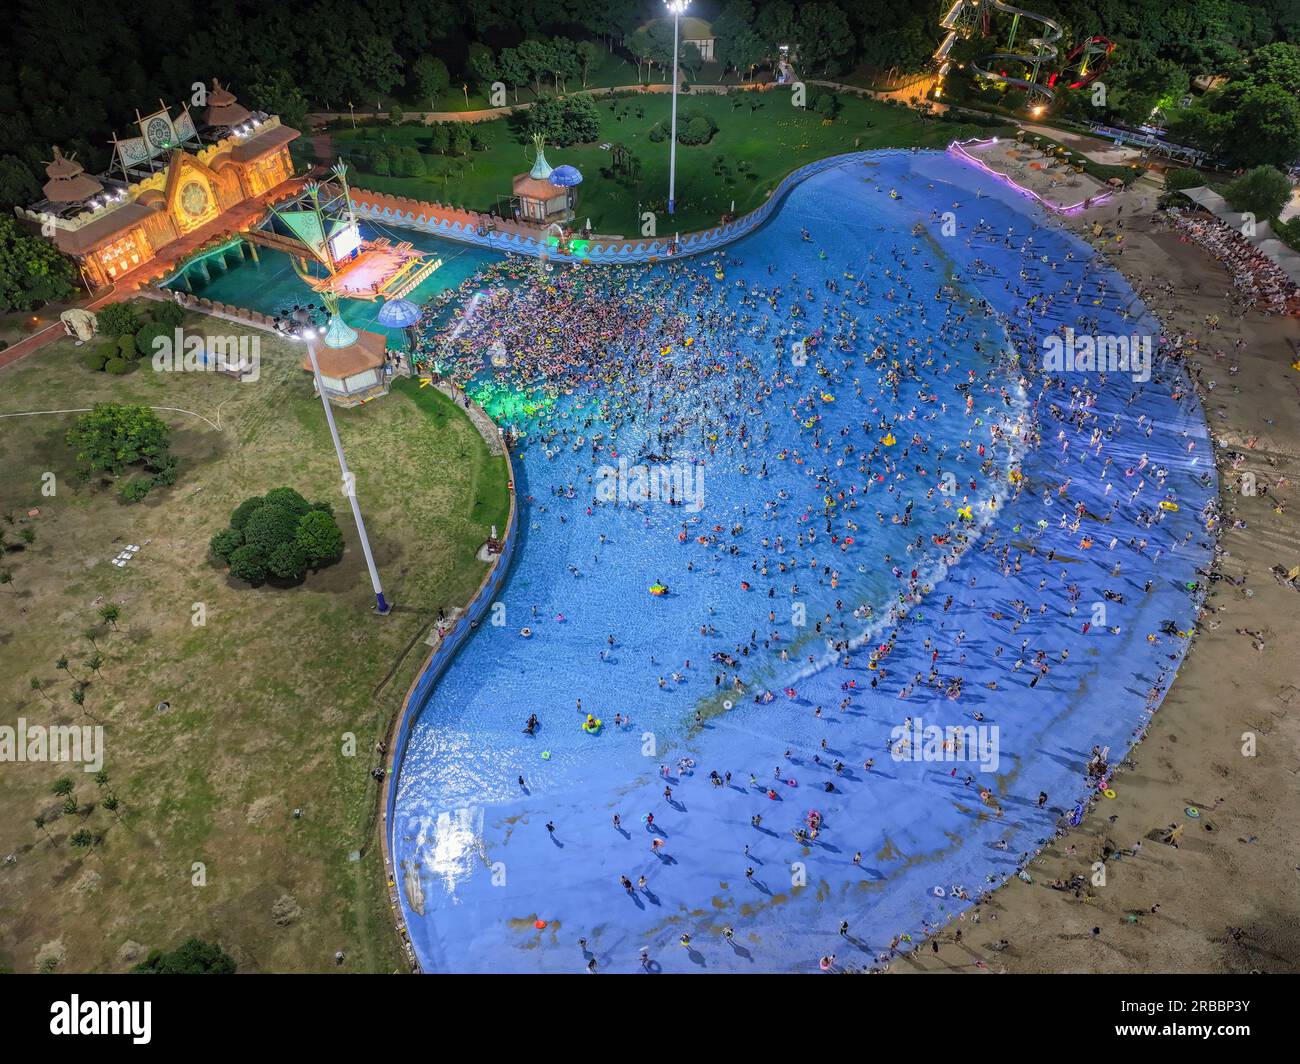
point(959, 149)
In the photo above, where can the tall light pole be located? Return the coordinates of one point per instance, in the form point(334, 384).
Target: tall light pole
point(308, 334)
point(676, 7)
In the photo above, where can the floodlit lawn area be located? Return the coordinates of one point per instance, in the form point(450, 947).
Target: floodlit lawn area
point(263, 695)
point(761, 129)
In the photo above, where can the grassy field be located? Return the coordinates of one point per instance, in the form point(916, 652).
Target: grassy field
point(261, 697)
point(759, 128)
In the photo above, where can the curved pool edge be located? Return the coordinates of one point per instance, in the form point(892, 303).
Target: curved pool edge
point(464, 226)
point(435, 664)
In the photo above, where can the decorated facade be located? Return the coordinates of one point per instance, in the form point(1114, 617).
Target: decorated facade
point(175, 179)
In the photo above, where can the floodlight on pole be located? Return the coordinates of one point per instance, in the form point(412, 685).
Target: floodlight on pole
point(307, 333)
point(676, 7)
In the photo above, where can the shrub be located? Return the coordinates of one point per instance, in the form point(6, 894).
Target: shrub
point(1181, 178)
point(320, 538)
point(94, 359)
point(193, 957)
point(247, 563)
point(126, 347)
point(245, 510)
point(269, 526)
point(135, 489)
point(278, 535)
point(145, 337)
point(117, 366)
point(168, 314)
point(288, 561)
point(225, 543)
point(288, 498)
point(116, 319)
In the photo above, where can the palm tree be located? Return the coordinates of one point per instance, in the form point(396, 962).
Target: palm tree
point(64, 786)
point(111, 803)
point(39, 821)
point(70, 806)
point(101, 778)
point(79, 694)
point(95, 662)
point(6, 576)
point(37, 685)
point(110, 613)
point(82, 839)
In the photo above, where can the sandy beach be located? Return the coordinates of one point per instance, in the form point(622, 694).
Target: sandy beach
point(1226, 740)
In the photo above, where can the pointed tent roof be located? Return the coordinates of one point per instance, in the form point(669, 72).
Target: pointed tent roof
point(339, 334)
point(223, 108)
point(541, 170)
point(68, 181)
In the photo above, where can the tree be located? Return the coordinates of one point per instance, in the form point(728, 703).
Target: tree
point(381, 64)
point(481, 64)
point(81, 839)
point(278, 93)
point(1265, 127)
point(821, 36)
point(513, 69)
point(1277, 64)
point(431, 77)
point(32, 271)
point(1262, 191)
point(192, 957)
point(535, 59)
point(115, 436)
point(18, 187)
point(320, 538)
point(588, 54)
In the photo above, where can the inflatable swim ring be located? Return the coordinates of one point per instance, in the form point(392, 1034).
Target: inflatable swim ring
point(1165, 504)
point(658, 589)
point(1192, 812)
point(525, 632)
point(1108, 793)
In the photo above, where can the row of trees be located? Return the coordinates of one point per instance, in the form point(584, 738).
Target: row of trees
point(151, 49)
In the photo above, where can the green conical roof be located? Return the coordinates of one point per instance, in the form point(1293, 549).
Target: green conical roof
point(339, 334)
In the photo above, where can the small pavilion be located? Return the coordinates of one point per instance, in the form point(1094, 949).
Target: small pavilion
point(537, 199)
point(351, 363)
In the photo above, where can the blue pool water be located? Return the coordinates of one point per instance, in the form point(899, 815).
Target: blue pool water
point(476, 842)
point(270, 284)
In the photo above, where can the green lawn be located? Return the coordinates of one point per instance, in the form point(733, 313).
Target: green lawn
point(762, 129)
point(262, 696)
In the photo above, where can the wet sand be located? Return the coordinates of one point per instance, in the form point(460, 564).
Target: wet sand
point(1227, 897)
